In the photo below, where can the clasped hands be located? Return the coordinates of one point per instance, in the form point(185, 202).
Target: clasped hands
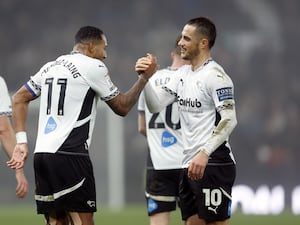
point(146, 66)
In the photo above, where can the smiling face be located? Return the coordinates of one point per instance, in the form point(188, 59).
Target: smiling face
point(189, 43)
point(194, 45)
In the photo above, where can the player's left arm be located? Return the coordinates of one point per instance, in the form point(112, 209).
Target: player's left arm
point(221, 89)
point(223, 129)
point(220, 134)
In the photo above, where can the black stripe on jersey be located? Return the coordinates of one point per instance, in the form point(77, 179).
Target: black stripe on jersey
point(218, 118)
point(149, 160)
point(170, 91)
point(76, 141)
point(221, 154)
point(87, 104)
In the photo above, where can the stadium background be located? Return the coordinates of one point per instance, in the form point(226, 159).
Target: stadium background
point(257, 43)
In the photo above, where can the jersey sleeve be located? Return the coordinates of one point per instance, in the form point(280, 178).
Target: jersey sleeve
point(34, 83)
point(141, 102)
point(158, 97)
point(221, 88)
point(100, 82)
point(172, 85)
point(5, 101)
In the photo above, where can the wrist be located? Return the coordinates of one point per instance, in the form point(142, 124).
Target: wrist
point(21, 137)
point(19, 170)
point(205, 151)
point(143, 77)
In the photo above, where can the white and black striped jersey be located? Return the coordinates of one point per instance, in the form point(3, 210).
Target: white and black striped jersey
point(5, 100)
point(200, 95)
point(69, 89)
point(163, 128)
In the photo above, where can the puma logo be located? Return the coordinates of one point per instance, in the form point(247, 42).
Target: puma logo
point(213, 209)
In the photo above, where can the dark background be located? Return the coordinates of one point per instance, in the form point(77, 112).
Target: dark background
point(257, 44)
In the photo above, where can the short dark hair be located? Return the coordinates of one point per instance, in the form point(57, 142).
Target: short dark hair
point(205, 27)
point(88, 33)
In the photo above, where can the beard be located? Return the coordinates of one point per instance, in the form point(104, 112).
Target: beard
point(189, 55)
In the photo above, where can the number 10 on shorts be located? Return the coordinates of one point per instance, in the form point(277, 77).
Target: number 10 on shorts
point(212, 197)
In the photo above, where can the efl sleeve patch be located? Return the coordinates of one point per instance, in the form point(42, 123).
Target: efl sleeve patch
point(225, 93)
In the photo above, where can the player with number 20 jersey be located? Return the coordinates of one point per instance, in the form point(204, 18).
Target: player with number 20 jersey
point(163, 128)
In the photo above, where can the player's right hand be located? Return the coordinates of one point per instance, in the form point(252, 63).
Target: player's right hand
point(19, 156)
point(146, 66)
point(152, 67)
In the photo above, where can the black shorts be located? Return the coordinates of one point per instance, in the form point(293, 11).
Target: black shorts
point(209, 197)
point(162, 190)
point(64, 183)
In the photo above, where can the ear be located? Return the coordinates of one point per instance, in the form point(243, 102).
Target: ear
point(90, 48)
point(204, 43)
point(172, 55)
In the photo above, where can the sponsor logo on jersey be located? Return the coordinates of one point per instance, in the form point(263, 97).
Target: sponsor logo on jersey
point(225, 93)
point(189, 105)
point(168, 139)
point(188, 102)
point(152, 205)
point(50, 126)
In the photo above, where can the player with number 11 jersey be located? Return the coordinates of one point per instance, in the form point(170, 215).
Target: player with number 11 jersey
point(65, 80)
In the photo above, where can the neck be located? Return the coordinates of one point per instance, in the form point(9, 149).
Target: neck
point(178, 62)
point(80, 48)
point(199, 61)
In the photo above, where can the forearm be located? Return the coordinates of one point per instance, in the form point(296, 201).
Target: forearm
point(123, 103)
point(222, 131)
point(20, 109)
point(132, 95)
point(7, 136)
point(142, 123)
point(157, 98)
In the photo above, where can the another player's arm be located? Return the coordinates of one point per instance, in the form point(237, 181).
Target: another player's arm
point(123, 103)
point(8, 140)
point(142, 123)
point(20, 104)
point(7, 137)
